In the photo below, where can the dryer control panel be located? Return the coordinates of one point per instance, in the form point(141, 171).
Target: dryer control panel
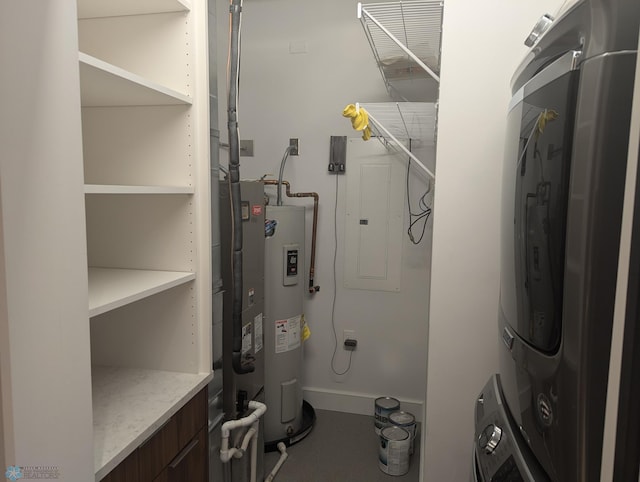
point(501, 453)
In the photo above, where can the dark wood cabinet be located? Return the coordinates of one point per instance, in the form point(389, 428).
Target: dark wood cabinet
point(176, 452)
point(191, 463)
point(126, 471)
point(156, 453)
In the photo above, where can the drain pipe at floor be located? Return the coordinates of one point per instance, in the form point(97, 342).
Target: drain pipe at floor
point(283, 456)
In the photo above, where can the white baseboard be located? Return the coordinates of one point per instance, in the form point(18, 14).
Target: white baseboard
point(352, 402)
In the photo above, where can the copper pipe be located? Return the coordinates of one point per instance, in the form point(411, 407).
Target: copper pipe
point(273, 182)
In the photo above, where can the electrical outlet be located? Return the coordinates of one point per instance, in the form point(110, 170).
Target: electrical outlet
point(348, 335)
point(293, 143)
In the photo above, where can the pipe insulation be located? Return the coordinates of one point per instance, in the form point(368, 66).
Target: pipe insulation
point(240, 366)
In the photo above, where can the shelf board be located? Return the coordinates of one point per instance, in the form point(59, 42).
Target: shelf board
point(111, 288)
point(115, 8)
point(130, 404)
point(104, 84)
point(124, 189)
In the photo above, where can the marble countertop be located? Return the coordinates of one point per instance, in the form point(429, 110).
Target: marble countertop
point(130, 404)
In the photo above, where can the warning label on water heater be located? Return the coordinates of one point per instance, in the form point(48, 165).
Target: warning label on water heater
point(257, 327)
point(246, 338)
point(287, 334)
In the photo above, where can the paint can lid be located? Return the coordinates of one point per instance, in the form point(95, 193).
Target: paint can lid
point(387, 402)
point(402, 418)
point(395, 434)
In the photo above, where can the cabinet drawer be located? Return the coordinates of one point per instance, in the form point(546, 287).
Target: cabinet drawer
point(192, 418)
point(157, 452)
point(177, 440)
point(126, 471)
point(190, 465)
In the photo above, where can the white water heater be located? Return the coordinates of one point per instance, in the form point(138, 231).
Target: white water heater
point(284, 292)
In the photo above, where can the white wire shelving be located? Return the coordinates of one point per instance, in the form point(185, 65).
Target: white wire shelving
point(404, 36)
point(405, 39)
point(397, 124)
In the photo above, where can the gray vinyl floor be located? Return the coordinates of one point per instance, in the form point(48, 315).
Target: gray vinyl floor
point(342, 447)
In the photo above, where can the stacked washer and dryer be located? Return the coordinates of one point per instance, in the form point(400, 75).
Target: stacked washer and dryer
point(542, 417)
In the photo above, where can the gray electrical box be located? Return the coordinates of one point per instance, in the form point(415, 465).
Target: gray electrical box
point(338, 155)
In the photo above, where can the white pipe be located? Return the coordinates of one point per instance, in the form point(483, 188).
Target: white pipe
point(246, 441)
point(401, 146)
point(227, 453)
point(283, 456)
point(254, 454)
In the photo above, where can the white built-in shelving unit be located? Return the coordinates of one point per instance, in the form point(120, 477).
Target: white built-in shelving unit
point(105, 275)
point(145, 136)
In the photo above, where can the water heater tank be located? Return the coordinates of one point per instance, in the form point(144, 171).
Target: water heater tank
point(284, 291)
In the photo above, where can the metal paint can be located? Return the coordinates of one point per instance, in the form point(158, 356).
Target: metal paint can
point(383, 408)
point(406, 421)
point(393, 456)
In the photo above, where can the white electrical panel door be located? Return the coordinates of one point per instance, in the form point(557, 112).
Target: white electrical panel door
point(375, 200)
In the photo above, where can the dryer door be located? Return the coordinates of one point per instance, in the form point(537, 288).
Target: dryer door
point(534, 212)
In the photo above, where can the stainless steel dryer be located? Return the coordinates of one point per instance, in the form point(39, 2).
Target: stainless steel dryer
point(542, 417)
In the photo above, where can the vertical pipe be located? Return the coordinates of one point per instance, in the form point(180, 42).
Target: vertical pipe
point(282, 163)
point(234, 188)
point(254, 452)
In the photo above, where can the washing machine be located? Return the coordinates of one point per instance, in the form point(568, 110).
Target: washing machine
point(542, 417)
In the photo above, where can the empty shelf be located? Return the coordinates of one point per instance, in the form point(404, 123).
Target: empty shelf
point(396, 124)
point(405, 120)
point(405, 39)
point(123, 189)
point(130, 404)
point(113, 8)
point(111, 288)
point(104, 84)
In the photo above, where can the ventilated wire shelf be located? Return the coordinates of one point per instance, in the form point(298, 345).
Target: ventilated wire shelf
point(396, 124)
point(405, 120)
point(405, 38)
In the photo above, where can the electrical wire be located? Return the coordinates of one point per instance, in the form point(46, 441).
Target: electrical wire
point(335, 290)
point(423, 214)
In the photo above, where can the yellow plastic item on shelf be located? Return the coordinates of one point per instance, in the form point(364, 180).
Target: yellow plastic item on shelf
point(359, 119)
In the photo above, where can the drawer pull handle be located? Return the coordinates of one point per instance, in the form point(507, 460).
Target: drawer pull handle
point(183, 454)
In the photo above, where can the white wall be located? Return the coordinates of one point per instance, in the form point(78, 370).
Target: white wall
point(302, 95)
point(481, 47)
point(44, 328)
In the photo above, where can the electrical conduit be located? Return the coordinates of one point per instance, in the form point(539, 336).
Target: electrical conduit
point(280, 174)
point(234, 190)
